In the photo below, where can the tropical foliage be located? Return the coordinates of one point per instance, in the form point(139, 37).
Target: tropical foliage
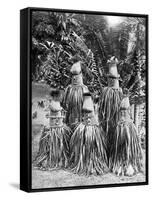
point(59, 39)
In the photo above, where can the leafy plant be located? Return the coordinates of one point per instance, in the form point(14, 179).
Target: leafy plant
point(59, 38)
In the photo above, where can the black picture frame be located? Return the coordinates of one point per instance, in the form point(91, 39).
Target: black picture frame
point(26, 93)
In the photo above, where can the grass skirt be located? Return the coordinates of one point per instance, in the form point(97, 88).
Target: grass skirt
point(125, 151)
point(72, 103)
point(109, 113)
point(53, 148)
point(109, 106)
point(88, 150)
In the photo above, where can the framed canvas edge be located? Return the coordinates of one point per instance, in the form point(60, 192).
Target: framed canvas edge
point(24, 97)
point(29, 83)
point(31, 9)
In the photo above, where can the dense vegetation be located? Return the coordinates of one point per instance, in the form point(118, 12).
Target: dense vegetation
point(59, 39)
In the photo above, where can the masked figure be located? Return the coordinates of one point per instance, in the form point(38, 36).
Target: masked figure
point(126, 152)
point(54, 141)
point(109, 103)
point(88, 155)
point(73, 97)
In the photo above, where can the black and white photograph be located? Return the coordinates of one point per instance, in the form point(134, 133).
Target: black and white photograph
point(88, 99)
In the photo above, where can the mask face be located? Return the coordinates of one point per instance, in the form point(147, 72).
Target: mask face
point(112, 82)
point(52, 121)
point(59, 121)
point(124, 115)
point(77, 79)
point(89, 119)
point(56, 121)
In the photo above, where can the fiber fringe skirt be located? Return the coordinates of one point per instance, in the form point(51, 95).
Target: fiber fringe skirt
point(109, 105)
point(109, 113)
point(87, 147)
point(126, 153)
point(53, 148)
point(72, 103)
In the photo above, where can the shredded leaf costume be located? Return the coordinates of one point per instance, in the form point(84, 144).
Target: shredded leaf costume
point(109, 103)
point(88, 154)
point(54, 142)
point(73, 97)
point(126, 153)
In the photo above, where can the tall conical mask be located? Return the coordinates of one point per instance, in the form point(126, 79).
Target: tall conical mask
point(113, 76)
point(76, 68)
point(76, 73)
point(125, 104)
point(88, 103)
point(56, 117)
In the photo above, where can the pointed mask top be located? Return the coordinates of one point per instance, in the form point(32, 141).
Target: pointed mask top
point(125, 104)
point(76, 68)
point(112, 64)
